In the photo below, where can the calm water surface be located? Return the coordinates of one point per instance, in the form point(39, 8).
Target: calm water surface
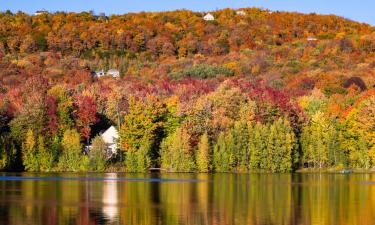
point(151, 199)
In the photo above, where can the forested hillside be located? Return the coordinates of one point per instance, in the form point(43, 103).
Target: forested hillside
point(250, 91)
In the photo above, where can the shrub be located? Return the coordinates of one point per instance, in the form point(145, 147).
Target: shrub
point(97, 154)
point(203, 71)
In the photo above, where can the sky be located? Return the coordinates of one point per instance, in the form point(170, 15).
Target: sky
point(358, 10)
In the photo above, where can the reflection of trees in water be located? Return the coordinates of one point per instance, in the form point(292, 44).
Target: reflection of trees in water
point(4, 211)
point(101, 202)
point(252, 199)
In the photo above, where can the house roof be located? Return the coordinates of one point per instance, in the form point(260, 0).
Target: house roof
point(240, 12)
point(41, 11)
point(312, 39)
point(208, 16)
point(109, 135)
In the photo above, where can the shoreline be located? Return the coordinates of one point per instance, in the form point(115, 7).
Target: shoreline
point(298, 171)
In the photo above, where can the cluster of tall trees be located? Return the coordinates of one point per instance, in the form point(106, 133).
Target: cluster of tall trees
point(241, 93)
point(232, 125)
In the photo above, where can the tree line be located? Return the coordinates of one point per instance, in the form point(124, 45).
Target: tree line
point(229, 128)
point(241, 93)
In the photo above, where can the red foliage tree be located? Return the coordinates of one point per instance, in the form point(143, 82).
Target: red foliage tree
point(51, 113)
point(85, 114)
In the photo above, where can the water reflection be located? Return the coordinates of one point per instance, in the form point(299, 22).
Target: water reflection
point(253, 199)
point(110, 198)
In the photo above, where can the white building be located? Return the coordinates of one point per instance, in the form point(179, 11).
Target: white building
point(312, 39)
point(241, 12)
point(209, 17)
point(40, 12)
point(99, 73)
point(110, 137)
point(113, 73)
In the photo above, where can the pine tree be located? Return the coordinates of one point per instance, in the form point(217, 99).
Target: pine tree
point(287, 145)
point(257, 146)
point(203, 154)
point(280, 147)
point(56, 148)
point(71, 157)
point(8, 152)
point(270, 161)
point(45, 156)
point(30, 152)
point(319, 142)
point(223, 155)
point(3, 153)
point(241, 139)
point(139, 160)
point(307, 147)
point(176, 152)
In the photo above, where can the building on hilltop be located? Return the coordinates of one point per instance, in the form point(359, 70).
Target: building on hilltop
point(312, 39)
point(241, 12)
point(100, 73)
point(113, 73)
point(40, 12)
point(209, 17)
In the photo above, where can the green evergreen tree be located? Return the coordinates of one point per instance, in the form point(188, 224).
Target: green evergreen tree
point(56, 148)
point(336, 157)
point(176, 153)
point(286, 146)
point(257, 146)
point(203, 154)
point(30, 152)
point(319, 142)
point(3, 153)
point(139, 160)
point(261, 141)
point(308, 151)
point(241, 139)
point(45, 155)
point(280, 147)
point(223, 154)
point(71, 156)
point(269, 163)
point(8, 152)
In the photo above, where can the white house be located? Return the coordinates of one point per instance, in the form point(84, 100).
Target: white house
point(312, 39)
point(113, 73)
point(110, 137)
point(99, 73)
point(209, 17)
point(40, 12)
point(241, 12)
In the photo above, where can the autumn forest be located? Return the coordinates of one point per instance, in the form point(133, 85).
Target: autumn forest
point(255, 91)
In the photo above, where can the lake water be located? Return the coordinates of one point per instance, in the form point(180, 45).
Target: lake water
point(151, 199)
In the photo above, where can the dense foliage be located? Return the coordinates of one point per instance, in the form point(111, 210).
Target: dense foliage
point(264, 91)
